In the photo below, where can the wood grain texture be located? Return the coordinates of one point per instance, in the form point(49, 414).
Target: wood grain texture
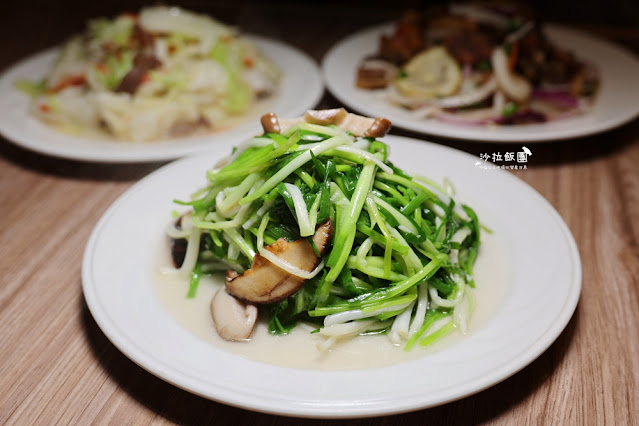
point(56, 366)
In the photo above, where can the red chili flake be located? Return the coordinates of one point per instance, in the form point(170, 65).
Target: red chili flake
point(172, 48)
point(146, 78)
point(102, 67)
point(76, 80)
point(45, 108)
point(248, 62)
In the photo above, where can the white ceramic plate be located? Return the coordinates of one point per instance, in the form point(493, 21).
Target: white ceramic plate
point(300, 89)
point(616, 103)
point(546, 283)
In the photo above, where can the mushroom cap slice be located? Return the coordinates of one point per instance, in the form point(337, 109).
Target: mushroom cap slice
point(265, 282)
point(356, 124)
point(234, 319)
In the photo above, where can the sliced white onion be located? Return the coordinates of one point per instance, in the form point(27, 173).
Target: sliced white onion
point(457, 237)
point(307, 146)
point(234, 251)
point(362, 144)
point(289, 267)
point(342, 317)
point(438, 301)
point(420, 312)
point(411, 259)
point(260, 213)
point(399, 330)
point(303, 219)
point(362, 251)
point(218, 221)
point(469, 98)
point(461, 314)
point(448, 187)
point(186, 224)
point(427, 107)
point(513, 85)
point(219, 200)
point(356, 314)
point(349, 328)
point(338, 332)
point(499, 101)
point(227, 201)
point(260, 231)
point(176, 233)
point(190, 257)
point(404, 223)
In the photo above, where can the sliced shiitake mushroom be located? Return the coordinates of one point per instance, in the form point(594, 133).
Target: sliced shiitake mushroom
point(356, 124)
point(234, 319)
point(267, 283)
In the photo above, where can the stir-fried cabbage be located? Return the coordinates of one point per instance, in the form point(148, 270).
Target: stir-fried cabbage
point(162, 73)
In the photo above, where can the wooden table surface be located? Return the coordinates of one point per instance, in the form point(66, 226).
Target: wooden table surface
point(56, 366)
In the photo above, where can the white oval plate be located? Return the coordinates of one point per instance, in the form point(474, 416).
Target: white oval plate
point(616, 103)
point(546, 282)
point(300, 89)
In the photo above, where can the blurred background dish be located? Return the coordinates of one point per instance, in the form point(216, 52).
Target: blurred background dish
point(300, 89)
point(615, 104)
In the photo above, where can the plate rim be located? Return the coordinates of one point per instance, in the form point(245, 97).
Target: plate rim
point(311, 409)
point(154, 151)
point(479, 134)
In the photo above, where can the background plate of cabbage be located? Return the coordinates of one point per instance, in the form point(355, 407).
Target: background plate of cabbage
point(153, 86)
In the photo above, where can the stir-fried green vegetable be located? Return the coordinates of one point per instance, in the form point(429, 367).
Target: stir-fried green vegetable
point(402, 253)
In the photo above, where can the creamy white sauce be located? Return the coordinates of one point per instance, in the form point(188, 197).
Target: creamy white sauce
point(299, 349)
